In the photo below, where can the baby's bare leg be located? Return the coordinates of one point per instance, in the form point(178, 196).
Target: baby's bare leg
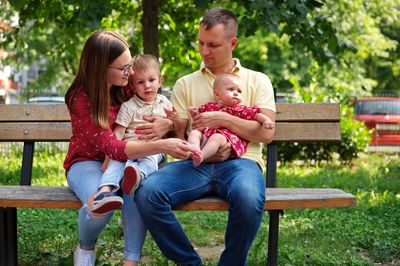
point(213, 143)
point(195, 138)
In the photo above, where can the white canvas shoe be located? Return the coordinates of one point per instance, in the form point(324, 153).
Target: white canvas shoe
point(83, 257)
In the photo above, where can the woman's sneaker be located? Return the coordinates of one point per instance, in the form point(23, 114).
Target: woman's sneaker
point(131, 180)
point(104, 202)
point(83, 257)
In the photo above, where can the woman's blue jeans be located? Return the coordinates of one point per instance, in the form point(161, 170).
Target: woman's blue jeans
point(238, 181)
point(115, 169)
point(83, 179)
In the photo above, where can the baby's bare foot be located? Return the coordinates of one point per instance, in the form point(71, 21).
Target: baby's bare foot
point(194, 147)
point(197, 159)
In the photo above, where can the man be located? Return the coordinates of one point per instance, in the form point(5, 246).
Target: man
point(239, 181)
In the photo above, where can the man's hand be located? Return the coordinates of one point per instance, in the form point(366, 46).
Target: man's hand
point(157, 128)
point(213, 119)
point(221, 155)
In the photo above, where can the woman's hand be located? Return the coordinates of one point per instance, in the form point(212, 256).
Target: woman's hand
point(178, 148)
point(157, 128)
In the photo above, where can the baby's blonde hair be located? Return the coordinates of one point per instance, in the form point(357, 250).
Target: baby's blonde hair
point(219, 79)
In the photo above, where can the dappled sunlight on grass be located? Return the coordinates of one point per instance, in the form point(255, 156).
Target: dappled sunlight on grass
point(374, 199)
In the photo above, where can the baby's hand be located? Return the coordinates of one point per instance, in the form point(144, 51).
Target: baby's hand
point(193, 111)
point(268, 124)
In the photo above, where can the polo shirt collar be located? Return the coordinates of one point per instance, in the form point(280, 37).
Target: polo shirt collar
point(235, 69)
point(142, 103)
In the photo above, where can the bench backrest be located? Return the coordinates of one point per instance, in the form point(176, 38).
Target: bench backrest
point(30, 123)
point(51, 122)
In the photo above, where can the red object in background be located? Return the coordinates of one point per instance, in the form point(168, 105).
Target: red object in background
point(381, 114)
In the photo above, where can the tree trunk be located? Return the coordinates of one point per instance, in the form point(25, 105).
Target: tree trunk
point(150, 26)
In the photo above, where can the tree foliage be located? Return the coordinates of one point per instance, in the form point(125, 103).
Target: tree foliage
point(333, 44)
point(322, 51)
point(56, 30)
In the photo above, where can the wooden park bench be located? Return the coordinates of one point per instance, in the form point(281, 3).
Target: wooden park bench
point(51, 123)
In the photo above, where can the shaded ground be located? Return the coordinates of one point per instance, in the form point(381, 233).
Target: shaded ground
point(210, 253)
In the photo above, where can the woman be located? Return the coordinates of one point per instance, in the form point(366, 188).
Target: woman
point(93, 101)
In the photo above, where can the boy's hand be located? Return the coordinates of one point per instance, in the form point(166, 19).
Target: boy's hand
point(172, 114)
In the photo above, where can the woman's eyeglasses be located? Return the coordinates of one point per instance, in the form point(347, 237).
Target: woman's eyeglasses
point(124, 69)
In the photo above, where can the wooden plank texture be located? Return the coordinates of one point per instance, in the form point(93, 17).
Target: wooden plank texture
point(61, 131)
point(34, 112)
point(276, 198)
point(307, 112)
point(307, 132)
point(58, 112)
point(38, 131)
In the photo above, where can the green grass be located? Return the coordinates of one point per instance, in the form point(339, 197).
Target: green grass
point(366, 234)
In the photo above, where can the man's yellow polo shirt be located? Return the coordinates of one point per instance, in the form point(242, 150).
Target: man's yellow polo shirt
point(196, 89)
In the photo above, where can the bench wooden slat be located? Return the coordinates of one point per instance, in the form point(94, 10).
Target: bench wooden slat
point(59, 112)
point(34, 112)
point(276, 198)
point(307, 132)
point(307, 112)
point(61, 131)
point(37, 131)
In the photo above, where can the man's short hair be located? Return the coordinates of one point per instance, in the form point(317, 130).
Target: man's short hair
point(222, 16)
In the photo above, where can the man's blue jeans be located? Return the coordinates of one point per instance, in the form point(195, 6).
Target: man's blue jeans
point(238, 181)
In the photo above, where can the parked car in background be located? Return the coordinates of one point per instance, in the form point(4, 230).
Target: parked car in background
point(381, 114)
point(46, 99)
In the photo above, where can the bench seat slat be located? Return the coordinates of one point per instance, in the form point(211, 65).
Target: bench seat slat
point(276, 198)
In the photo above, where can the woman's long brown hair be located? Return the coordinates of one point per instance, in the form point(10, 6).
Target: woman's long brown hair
point(99, 51)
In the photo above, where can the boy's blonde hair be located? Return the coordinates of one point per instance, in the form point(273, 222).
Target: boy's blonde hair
point(145, 61)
